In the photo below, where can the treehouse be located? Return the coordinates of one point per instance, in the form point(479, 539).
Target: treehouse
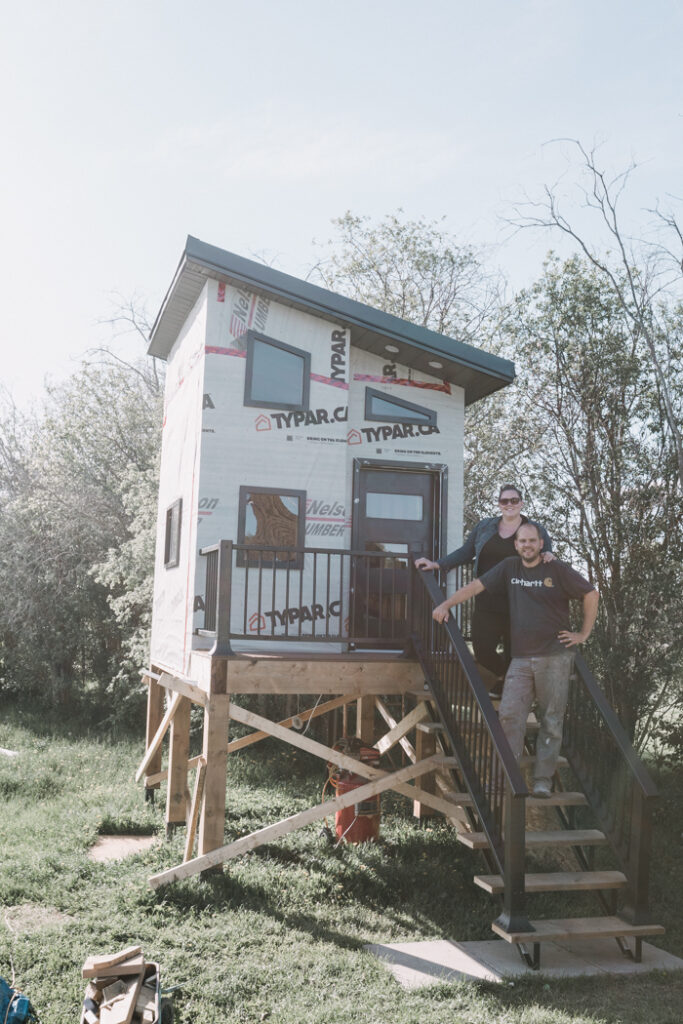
point(312, 447)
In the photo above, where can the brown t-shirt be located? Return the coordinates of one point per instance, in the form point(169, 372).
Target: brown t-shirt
point(538, 599)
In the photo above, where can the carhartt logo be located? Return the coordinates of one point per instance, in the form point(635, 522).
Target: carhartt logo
point(353, 437)
point(262, 422)
point(547, 582)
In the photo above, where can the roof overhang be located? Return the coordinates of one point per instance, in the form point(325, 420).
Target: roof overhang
point(479, 373)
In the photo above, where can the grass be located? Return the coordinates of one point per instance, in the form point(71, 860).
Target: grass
point(279, 936)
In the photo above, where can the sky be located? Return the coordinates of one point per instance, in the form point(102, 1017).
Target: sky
point(128, 125)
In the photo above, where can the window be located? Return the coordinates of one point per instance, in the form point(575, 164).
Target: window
point(278, 376)
point(389, 409)
point(269, 517)
point(394, 506)
point(174, 516)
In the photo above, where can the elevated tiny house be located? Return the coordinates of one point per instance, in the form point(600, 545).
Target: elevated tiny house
point(322, 439)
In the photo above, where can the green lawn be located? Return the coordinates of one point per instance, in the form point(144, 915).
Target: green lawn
point(279, 936)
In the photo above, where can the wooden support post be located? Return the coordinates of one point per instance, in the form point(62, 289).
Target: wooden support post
point(155, 744)
point(425, 746)
point(365, 720)
point(155, 713)
point(215, 753)
point(178, 752)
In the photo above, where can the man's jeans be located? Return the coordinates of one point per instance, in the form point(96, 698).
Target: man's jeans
point(545, 679)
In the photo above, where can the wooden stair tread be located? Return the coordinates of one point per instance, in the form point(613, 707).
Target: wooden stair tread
point(557, 881)
point(461, 799)
point(529, 760)
point(559, 799)
point(563, 837)
point(578, 928)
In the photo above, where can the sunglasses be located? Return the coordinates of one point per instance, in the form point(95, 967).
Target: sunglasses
point(509, 501)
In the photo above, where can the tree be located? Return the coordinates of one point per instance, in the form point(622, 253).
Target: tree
point(417, 271)
point(645, 275)
point(75, 483)
point(605, 470)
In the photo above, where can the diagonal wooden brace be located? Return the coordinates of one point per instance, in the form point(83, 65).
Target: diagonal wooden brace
point(240, 714)
point(398, 731)
point(158, 736)
point(287, 825)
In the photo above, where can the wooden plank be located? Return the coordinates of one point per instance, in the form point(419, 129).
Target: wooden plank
point(158, 737)
point(94, 964)
point(215, 752)
point(365, 720)
point(155, 714)
point(578, 928)
point(286, 723)
point(127, 967)
point(425, 746)
point(406, 745)
point(401, 728)
point(557, 881)
point(431, 727)
point(194, 809)
point(559, 799)
point(563, 837)
point(295, 821)
point(529, 760)
point(121, 1009)
point(188, 688)
point(276, 675)
point(178, 750)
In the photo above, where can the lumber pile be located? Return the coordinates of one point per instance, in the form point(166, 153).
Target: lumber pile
point(123, 988)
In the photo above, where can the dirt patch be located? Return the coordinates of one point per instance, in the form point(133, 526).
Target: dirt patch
point(29, 917)
point(118, 847)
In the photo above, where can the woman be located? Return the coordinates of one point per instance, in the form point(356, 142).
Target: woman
point(489, 543)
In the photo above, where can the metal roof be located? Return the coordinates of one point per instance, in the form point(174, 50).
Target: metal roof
point(479, 373)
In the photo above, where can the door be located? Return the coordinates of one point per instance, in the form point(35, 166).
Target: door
point(394, 515)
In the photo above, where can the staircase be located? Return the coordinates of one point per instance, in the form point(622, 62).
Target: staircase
point(610, 790)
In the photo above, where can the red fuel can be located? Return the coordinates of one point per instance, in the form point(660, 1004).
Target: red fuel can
point(360, 822)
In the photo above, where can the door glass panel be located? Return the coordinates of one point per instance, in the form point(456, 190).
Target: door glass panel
point(387, 562)
point(394, 506)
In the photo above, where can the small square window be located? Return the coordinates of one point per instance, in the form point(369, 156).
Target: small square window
point(390, 409)
point(174, 516)
point(269, 517)
point(278, 376)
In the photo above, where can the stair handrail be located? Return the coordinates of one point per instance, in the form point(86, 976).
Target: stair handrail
point(486, 762)
point(626, 819)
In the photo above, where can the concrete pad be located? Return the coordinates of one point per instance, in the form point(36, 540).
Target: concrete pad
point(118, 847)
point(414, 964)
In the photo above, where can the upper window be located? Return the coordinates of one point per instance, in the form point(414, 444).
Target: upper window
point(174, 514)
point(278, 375)
point(389, 409)
point(269, 517)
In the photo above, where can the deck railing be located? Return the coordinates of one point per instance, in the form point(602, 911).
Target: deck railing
point(619, 789)
point(486, 763)
point(309, 595)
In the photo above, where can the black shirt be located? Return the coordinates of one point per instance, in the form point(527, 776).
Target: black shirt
point(495, 550)
point(539, 602)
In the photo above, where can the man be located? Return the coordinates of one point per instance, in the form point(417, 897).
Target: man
point(538, 593)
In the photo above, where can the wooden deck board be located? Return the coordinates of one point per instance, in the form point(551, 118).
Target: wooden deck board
point(578, 928)
point(557, 881)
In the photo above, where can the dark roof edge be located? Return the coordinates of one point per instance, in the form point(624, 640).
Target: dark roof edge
point(335, 306)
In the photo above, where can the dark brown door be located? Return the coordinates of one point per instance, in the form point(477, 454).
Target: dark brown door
point(393, 516)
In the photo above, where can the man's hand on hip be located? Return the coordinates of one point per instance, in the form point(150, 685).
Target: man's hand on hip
point(570, 639)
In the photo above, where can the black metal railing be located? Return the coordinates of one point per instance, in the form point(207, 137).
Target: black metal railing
point(485, 760)
point(615, 781)
point(336, 595)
